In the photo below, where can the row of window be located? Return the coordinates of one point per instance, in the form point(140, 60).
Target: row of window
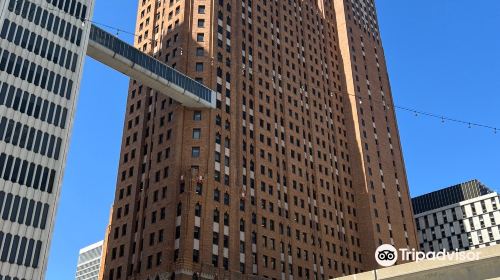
point(216, 219)
point(2, 277)
point(433, 218)
point(46, 20)
point(19, 250)
point(32, 105)
point(39, 45)
point(29, 138)
point(23, 211)
point(482, 207)
point(482, 223)
point(26, 173)
point(35, 74)
point(92, 270)
point(71, 7)
point(482, 239)
point(130, 269)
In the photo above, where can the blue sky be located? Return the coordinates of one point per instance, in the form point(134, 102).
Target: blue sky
point(443, 57)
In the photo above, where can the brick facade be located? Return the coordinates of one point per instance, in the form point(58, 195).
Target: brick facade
point(294, 175)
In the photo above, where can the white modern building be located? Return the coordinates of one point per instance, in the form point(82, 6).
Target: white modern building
point(89, 262)
point(43, 44)
point(465, 216)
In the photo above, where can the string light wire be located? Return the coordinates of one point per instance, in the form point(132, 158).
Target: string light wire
point(418, 112)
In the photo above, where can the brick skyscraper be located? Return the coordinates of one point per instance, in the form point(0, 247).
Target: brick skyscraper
point(299, 170)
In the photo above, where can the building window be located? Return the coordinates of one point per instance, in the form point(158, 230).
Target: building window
point(196, 255)
point(201, 9)
point(215, 260)
point(199, 67)
point(179, 209)
point(196, 133)
point(197, 116)
point(226, 198)
point(177, 232)
point(200, 37)
point(216, 195)
point(216, 216)
point(200, 52)
point(201, 23)
point(195, 152)
point(199, 188)
point(196, 234)
point(197, 210)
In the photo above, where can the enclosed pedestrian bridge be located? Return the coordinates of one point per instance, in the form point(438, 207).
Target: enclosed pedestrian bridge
point(123, 57)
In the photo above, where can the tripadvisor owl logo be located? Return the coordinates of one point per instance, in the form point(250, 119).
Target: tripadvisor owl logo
point(386, 255)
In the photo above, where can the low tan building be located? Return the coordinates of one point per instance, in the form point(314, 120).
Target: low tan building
point(485, 267)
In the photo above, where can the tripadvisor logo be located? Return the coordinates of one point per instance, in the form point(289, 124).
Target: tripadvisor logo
point(386, 255)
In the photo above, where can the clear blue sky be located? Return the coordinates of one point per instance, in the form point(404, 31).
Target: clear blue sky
point(443, 57)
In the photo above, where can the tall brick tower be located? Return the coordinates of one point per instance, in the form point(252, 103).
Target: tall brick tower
point(298, 173)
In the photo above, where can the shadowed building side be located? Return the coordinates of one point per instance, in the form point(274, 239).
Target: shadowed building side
point(381, 185)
